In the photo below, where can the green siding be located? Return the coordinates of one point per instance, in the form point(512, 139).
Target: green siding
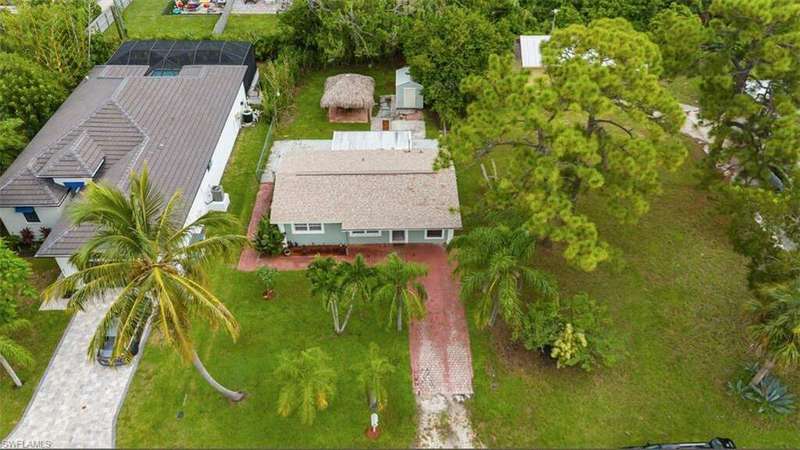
point(334, 235)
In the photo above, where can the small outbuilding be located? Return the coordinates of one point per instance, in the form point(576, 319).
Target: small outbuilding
point(408, 93)
point(530, 51)
point(349, 98)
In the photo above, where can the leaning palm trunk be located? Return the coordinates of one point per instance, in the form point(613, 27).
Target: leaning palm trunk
point(763, 371)
point(10, 371)
point(227, 393)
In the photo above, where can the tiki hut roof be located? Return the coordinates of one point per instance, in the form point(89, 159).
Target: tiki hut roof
point(349, 90)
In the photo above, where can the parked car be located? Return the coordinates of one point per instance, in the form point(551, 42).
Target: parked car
point(104, 355)
point(721, 443)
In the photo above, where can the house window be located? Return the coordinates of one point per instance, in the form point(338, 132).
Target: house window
point(365, 233)
point(308, 228)
point(434, 234)
point(29, 213)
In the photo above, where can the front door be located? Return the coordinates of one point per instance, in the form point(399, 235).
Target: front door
point(398, 237)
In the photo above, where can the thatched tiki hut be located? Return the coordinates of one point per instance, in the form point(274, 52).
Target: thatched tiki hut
point(349, 98)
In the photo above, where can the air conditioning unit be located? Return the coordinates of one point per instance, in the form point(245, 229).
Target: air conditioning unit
point(219, 200)
point(217, 194)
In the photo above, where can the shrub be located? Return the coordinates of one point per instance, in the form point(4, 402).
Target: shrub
point(770, 395)
point(267, 276)
point(45, 231)
point(573, 333)
point(27, 238)
point(268, 239)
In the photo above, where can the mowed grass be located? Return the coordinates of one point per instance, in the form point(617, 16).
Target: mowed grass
point(244, 25)
point(48, 326)
point(144, 19)
point(676, 300)
point(170, 405)
point(306, 120)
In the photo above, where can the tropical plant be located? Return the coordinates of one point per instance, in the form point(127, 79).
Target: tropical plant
point(776, 328)
point(141, 257)
point(28, 92)
point(356, 281)
point(307, 383)
point(495, 268)
point(53, 34)
point(770, 394)
point(446, 44)
point(27, 238)
point(373, 375)
point(398, 287)
point(341, 285)
point(15, 274)
point(10, 351)
point(575, 331)
point(268, 276)
point(268, 239)
point(12, 140)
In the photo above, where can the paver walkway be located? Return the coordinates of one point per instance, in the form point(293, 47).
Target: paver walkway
point(76, 402)
point(249, 259)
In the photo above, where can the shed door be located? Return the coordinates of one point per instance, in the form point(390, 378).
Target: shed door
point(409, 97)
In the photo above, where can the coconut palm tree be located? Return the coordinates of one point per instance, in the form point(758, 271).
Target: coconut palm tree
point(355, 283)
point(397, 285)
point(143, 258)
point(373, 375)
point(11, 352)
point(308, 383)
point(341, 285)
point(776, 328)
point(495, 268)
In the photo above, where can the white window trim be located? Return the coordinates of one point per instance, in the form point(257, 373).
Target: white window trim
point(365, 233)
point(391, 237)
point(320, 231)
point(442, 237)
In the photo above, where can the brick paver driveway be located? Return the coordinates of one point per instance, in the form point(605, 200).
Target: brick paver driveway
point(77, 400)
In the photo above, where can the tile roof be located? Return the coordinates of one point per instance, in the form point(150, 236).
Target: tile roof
point(373, 189)
point(172, 124)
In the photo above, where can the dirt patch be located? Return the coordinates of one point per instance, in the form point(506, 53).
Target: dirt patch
point(444, 423)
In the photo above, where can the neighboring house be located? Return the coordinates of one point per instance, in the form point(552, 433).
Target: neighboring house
point(166, 58)
point(349, 98)
point(343, 192)
point(529, 51)
point(408, 93)
point(182, 125)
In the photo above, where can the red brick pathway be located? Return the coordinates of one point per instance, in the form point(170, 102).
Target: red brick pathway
point(441, 362)
point(249, 260)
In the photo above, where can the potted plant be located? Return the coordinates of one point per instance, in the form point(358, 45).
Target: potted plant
point(267, 276)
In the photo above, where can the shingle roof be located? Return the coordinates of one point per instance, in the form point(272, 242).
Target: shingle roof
point(172, 124)
point(373, 189)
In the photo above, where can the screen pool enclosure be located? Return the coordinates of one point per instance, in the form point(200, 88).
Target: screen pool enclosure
point(165, 58)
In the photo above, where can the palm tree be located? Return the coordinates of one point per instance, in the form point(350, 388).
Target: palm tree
point(308, 383)
point(341, 286)
point(398, 286)
point(144, 258)
point(495, 268)
point(11, 352)
point(373, 374)
point(355, 282)
point(776, 328)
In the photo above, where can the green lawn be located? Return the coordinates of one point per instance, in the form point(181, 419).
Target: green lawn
point(676, 304)
point(48, 326)
point(169, 405)
point(241, 180)
point(144, 19)
point(251, 24)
